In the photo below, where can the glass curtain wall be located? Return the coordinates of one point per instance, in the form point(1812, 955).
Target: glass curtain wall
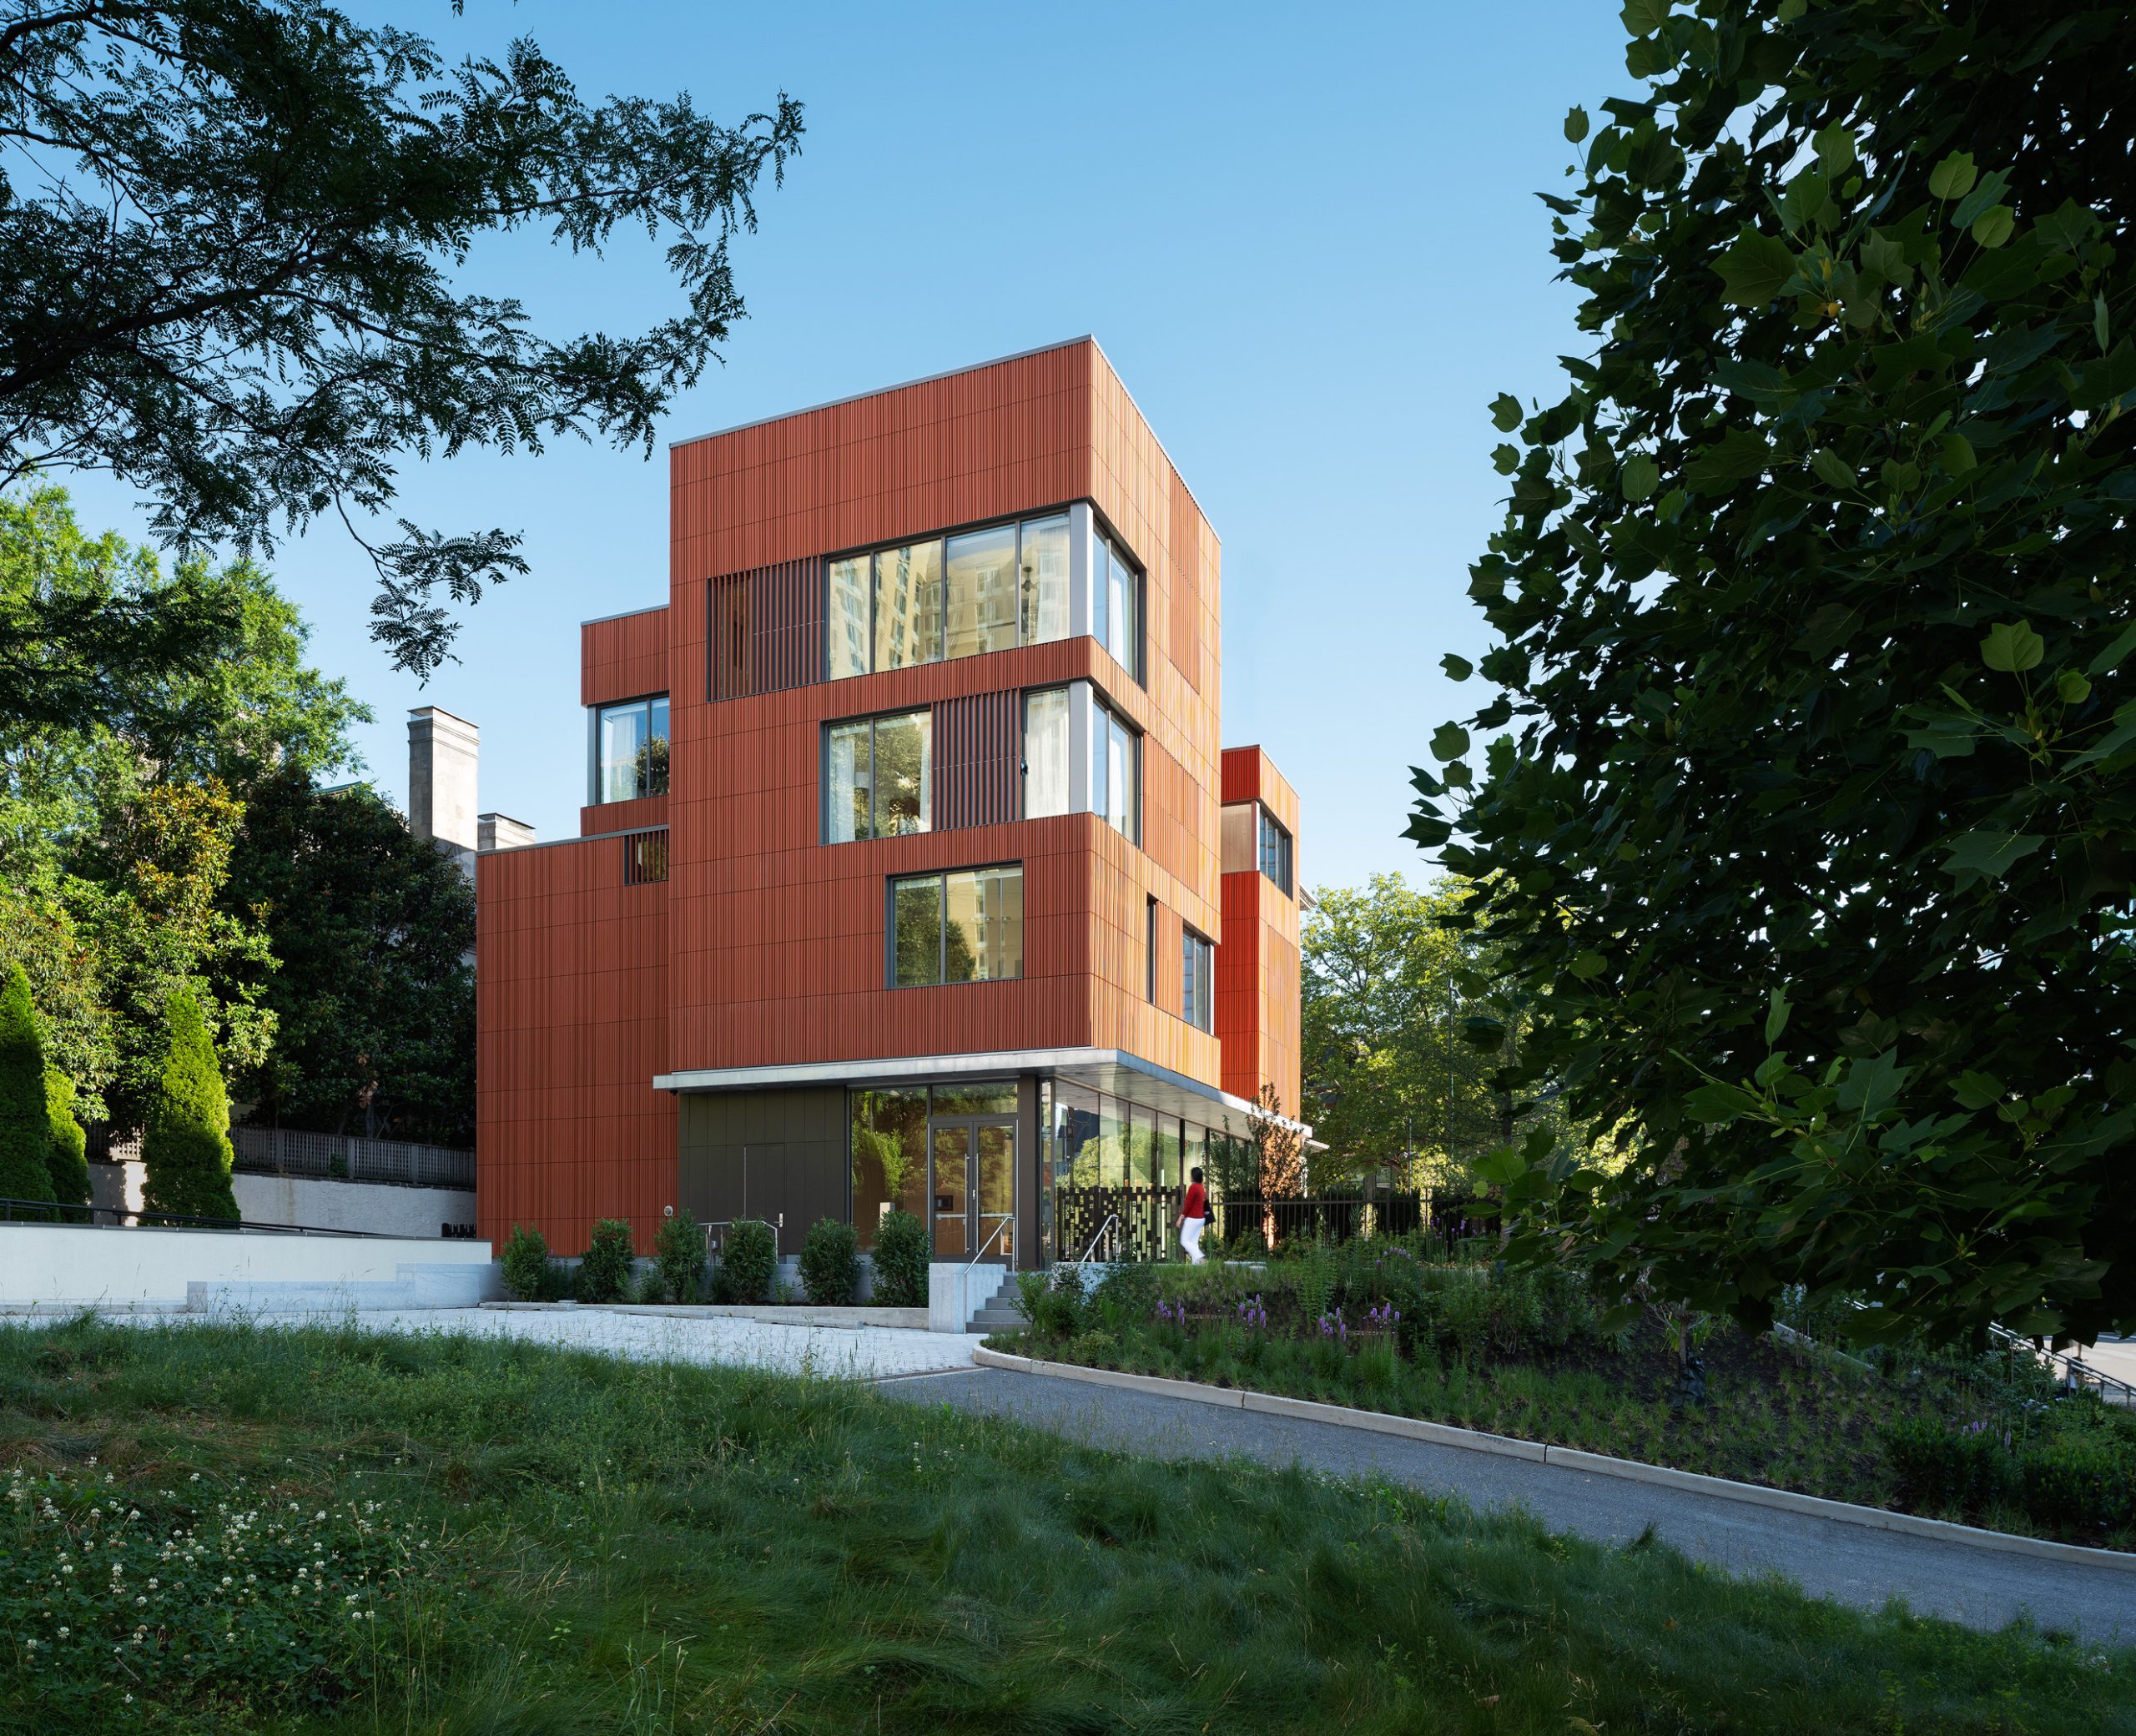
point(1114, 1171)
point(890, 1158)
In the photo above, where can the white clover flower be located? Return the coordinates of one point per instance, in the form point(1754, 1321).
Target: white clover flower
point(64, 1631)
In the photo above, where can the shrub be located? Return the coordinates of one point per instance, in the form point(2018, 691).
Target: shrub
point(1968, 1468)
point(2079, 1480)
point(1051, 1303)
point(901, 1254)
point(526, 1263)
point(185, 1147)
point(747, 1263)
point(604, 1270)
point(830, 1263)
point(66, 1157)
point(1126, 1297)
point(678, 1251)
point(25, 1124)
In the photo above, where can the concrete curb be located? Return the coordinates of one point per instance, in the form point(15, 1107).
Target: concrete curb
point(1568, 1458)
point(770, 1314)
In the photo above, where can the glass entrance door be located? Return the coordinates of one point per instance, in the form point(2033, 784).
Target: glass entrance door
point(974, 1192)
point(952, 1192)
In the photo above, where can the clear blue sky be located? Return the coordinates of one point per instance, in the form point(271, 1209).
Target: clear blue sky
point(1305, 236)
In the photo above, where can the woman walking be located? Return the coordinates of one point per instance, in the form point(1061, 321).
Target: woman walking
point(1193, 1216)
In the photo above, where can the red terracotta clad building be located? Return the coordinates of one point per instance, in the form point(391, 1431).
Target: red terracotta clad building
point(911, 870)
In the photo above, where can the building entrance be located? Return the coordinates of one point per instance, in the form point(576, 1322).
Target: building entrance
point(973, 1187)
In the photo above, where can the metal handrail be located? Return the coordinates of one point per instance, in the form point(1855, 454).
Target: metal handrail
point(2075, 1372)
point(1112, 1218)
point(124, 1218)
point(985, 1245)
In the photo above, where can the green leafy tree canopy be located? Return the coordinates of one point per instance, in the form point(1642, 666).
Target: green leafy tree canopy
point(225, 231)
point(1814, 820)
point(25, 1118)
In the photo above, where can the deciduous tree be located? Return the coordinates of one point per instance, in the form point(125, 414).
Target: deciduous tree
point(226, 230)
point(1817, 821)
point(25, 1123)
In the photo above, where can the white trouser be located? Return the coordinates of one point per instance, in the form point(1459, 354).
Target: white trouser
point(1190, 1238)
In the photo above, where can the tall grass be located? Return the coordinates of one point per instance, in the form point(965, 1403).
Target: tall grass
point(632, 1548)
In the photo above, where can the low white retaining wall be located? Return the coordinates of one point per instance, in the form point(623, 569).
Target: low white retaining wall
point(57, 1265)
point(377, 1207)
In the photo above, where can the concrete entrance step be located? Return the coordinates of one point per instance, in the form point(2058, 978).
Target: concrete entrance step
point(998, 1313)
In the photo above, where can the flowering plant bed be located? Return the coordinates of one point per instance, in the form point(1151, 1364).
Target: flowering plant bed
point(1984, 1440)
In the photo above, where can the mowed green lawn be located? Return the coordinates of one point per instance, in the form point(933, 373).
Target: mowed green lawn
point(436, 1535)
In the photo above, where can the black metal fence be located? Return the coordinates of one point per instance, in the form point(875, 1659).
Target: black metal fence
point(328, 1157)
point(1115, 1223)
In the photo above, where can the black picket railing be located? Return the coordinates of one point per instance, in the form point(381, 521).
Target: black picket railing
point(43, 1211)
point(1142, 1231)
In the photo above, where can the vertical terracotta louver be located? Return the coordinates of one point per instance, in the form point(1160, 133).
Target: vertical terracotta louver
point(977, 761)
point(765, 633)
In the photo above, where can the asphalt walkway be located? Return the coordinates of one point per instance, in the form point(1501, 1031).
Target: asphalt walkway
point(1850, 1563)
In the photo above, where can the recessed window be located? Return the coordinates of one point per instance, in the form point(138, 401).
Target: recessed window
point(1150, 952)
point(1115, 772)
point(965, 926)
point(1275, 852)
point(1116, 606)
point(878, 777)
point(630, 750)
point(1197, 979)
point(1106, 779)
point(959, 597)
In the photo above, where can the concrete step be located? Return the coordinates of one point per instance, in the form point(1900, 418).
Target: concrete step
point(413, 1286)
point(991, 1319)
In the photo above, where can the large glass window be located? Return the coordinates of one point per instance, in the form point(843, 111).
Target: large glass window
point(1197, 983)
point(1116, 606)
point(630, 750)
point(890, 1158)
point(980, 590)
point(982, 587)
point(1116, 773)
point(966, 926)
point(1275, 852)
point(879, 778)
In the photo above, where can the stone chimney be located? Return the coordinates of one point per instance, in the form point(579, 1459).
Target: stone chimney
point(441, 755)
point(500, 831)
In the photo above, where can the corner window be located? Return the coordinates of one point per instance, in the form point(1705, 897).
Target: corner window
point(1275, 852)
point(987, 589)
point(879, 778)
point(630, 750)
point(1116, 605)
point(966, 926)
point(1197, 979)
point(1103, 775)
point(1115, 772)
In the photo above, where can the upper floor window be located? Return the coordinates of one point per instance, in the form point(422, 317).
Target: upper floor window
point(630, 751)
point(965, 926)
point(1254, 841)
point(1275, 852)
point(1104, 778)
point(1197, 979)
point(957, 596)
point(1116, 605)
point(878, 777)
